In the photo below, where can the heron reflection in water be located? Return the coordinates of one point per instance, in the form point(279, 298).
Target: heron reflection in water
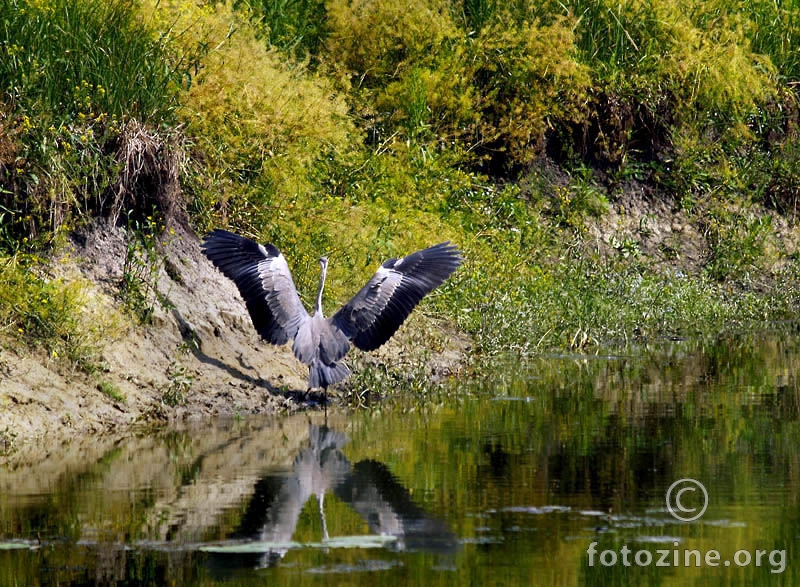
point(368, 487)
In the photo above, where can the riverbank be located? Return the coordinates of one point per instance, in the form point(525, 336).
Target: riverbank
point(612, 173)
point(197, 356)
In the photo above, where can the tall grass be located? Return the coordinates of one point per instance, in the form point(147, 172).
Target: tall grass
point(581, 303)
point(774, 29)
point(76, 72)
point(69, 57)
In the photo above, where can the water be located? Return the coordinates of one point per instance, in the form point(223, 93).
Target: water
point(509, 481)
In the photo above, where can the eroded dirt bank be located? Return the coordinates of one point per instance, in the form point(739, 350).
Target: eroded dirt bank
point(200, 356)
point(200, 348)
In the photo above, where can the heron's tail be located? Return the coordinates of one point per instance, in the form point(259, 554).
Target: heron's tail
point(322, 375)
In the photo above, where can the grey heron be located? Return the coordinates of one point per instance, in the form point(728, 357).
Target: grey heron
point(368, 320)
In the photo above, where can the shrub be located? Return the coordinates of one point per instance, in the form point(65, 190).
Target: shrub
point(376, 41)
point(55, 314)
point(527, 79)
point(78, 71)
point(664, 68)
point(257, 120)
point(497, 91)
point(298, 27)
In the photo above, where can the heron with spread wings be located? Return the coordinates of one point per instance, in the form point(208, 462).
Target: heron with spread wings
point(368, 320)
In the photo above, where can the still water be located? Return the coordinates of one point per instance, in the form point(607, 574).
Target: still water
point(509, 481)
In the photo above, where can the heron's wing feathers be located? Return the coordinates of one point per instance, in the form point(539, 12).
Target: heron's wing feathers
point(377, 311)
point(264, 281)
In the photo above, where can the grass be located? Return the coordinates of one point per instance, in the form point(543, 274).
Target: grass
point(110, 390)
point(8, 441)
point(53, 314)
point(581, 304)
point(72, 57)
point(366, 130)
point(296, 26)
point(77, 72)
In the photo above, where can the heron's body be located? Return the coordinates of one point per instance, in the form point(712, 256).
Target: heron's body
point(368, 320)
point(320, 346)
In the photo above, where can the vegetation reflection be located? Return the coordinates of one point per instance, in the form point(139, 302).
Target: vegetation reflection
point(501, 480)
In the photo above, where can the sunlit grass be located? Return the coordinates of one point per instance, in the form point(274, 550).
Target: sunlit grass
point(53, 314)
point(76, 72)
point(67, 57)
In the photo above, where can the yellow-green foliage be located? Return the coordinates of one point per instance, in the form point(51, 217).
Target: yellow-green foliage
point(532, 77)
point(433, 101)
point(498, 88)
point(710, 65)
point(266, 107)
point(698, 53)
point(53, 313)
point(376, 39)
point(255, 117)
point(372, 139)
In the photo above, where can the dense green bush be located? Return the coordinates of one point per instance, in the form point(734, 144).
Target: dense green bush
point(366, 129)
point(296, 26)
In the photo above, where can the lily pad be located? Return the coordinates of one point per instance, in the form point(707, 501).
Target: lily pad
point(249, 547)
point(368, 541)
point(14, 546)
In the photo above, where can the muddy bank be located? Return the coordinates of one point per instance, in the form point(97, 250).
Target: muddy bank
point(200, 357)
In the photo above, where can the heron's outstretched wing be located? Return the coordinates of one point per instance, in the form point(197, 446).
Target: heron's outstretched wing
point(264, 281)
point(377, 311)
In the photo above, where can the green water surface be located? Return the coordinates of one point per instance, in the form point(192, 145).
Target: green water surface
point(499, 482)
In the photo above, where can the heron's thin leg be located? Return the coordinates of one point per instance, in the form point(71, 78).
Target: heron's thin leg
point(320, 499)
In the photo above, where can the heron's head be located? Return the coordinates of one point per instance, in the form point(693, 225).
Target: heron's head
point(323, 262)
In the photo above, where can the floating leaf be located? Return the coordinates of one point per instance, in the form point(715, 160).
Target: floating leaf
point(14, 546)
point(249, 547)
point(368, 541)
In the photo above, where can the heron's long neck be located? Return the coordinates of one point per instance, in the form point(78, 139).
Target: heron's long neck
point(318, 307)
